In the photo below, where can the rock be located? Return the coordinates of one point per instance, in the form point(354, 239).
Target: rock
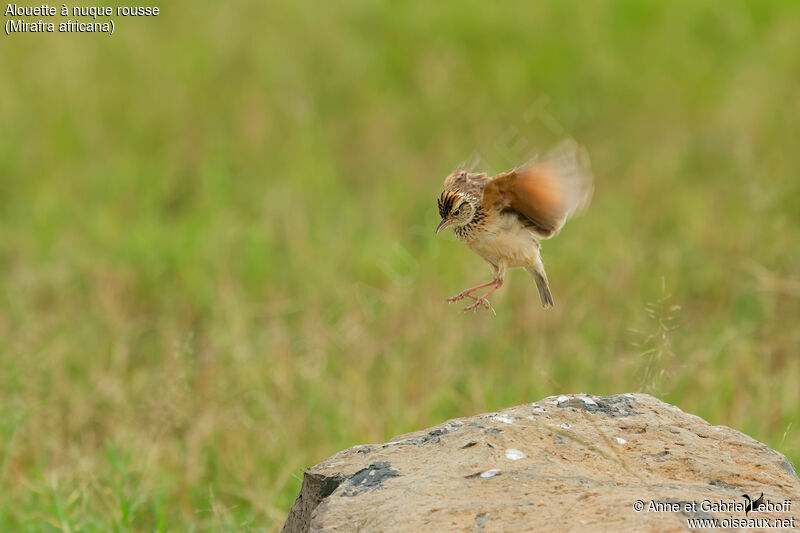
point(566, 463)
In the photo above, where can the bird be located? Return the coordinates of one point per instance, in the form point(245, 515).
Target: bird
point(503, 218)
point(752, 505)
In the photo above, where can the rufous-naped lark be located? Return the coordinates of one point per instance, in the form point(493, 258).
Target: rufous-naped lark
point(503, 218)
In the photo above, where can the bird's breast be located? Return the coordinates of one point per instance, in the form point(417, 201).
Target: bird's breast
point(503, 238)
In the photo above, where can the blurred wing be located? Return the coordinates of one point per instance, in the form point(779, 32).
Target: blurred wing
point(544, 191)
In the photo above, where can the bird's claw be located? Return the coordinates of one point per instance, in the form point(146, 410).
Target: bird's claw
point(479, 302)
point(461, 296)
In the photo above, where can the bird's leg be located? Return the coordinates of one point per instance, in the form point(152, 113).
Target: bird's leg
point(482, 300)
point(463, 294)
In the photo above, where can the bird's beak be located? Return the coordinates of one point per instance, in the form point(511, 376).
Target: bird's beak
point(443, 224)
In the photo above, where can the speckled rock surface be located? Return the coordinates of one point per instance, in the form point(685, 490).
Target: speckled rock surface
point(566, 463)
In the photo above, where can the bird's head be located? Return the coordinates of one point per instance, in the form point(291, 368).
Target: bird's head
point(456, 209)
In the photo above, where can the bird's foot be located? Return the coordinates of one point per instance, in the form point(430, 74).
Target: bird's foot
point(468, 293)
point(462, 295)
point(479, 302)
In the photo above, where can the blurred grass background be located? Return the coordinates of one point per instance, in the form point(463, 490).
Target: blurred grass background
point(217, 251)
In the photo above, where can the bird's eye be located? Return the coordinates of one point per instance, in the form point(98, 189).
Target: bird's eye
point(456, 212)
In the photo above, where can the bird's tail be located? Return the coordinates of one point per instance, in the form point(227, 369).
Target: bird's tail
point(540, 278)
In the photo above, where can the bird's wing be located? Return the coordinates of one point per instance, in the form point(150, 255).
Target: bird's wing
point(544, 191)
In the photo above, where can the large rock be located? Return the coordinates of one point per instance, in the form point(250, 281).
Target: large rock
point(567, 463)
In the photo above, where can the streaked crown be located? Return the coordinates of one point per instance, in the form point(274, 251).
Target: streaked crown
point(446, 202)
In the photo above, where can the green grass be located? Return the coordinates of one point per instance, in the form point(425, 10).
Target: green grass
point(217, 251)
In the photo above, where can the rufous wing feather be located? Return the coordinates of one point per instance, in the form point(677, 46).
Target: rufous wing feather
point(544, 191)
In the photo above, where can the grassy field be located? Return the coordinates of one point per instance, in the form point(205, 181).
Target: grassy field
point(218, 260)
